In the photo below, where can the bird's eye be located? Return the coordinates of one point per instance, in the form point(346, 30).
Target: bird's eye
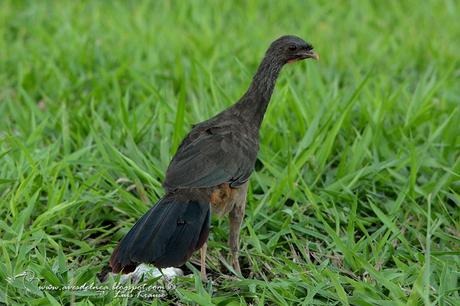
point(292, 48)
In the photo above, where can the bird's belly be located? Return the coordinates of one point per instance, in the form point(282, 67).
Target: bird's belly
point(224, 198)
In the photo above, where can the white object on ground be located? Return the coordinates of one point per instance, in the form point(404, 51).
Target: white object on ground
point(148, 272)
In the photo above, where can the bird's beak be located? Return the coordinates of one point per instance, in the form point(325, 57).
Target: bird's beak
point(304, 55)
point(312, 54)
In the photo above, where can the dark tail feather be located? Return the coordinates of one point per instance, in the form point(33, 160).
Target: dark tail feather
point(166, 236)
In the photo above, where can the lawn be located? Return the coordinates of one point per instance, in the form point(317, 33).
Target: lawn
point(356, 195)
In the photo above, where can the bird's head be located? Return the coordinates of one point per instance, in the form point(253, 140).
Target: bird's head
point(290, 49)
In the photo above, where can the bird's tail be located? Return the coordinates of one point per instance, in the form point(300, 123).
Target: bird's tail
point(166, 236)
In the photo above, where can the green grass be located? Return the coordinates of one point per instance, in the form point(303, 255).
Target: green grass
point(356, 197)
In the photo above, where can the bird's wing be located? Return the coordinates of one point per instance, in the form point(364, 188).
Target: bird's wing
point(211, 157)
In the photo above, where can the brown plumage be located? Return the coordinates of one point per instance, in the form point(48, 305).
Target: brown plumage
point(209, 173)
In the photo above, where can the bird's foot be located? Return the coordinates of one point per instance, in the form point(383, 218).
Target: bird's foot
point(236, 265)
point(204, 277)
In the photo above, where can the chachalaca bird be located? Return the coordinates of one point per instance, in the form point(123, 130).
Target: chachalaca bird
point(208, 174)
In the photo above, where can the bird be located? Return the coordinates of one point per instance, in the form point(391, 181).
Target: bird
point(209, 175)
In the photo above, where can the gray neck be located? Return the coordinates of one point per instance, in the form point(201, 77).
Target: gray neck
point(254, 102)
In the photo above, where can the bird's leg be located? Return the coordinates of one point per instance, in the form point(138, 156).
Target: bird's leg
point(203, 249)
point(236, 218)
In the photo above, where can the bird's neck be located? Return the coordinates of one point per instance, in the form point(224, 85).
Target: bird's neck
point(253, 104)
